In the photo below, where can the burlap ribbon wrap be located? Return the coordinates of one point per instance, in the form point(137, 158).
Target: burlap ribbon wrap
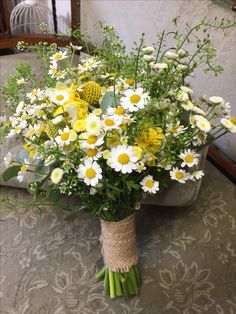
point(118, 241)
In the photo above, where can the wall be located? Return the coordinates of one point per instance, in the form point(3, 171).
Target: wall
point(133, 17)
point(63, 8)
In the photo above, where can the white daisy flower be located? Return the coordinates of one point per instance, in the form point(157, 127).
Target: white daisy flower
point(196, 175)
point(149, 185)
point(34, 94)
point(8, 159)
point(123, 158)
point(186, 89)
point(159, 66)
point(189, 157)
point(57, 120)
point(179, 175)
point(21, 81)
point(171, 55)
point(182, 67)
point(52, 70)
point(216, 100)
point(94, 153)
point(199, 139)
point(88, 64)
point(22, 172)
point(134, 100)
point(118, 113)
point(148, 58)
point(128, 83)
point(88, 140)
point(117, 89)
point(59, 96)
point(148, 50)
point(182, 53)
point(60, 55)
point(20, 107)
point(187, 105)
point(227, 124)
point(60, 75)
point(198, 110)
point(111, 122)
point(64, 137)
point(93, 124)
point(182, 96)
point(57, 175)
point(202, 123)
point(90, 172)
point(176, 129)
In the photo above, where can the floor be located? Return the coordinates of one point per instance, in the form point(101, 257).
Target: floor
point(187, 257)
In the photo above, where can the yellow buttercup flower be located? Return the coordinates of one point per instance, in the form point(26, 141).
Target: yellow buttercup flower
point(138, 151)
point(79, 125)
point(150, 139)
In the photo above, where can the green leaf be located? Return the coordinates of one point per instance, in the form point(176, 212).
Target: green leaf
point(21, 155)
point(10, 173)
point(109, 100)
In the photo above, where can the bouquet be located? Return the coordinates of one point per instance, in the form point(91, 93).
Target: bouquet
point(113, 127)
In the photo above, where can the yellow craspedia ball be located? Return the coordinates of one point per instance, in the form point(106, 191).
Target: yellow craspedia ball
point(51, 129)
point(91, 92)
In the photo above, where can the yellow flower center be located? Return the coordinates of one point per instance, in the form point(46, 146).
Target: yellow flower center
point(90, 173)
point(59, 97)
point(109, 122)
point(188, 158)
point(91, 152)
point(57, 56)
point(123, 159)
point(23, 168)
point(129, 82)
point(42, 128)
point(134, 99)
point(65, 136)
point(149, 183)
point(92, 139)
point(118, 88)
point(31, 132)
point(119, 111)
point(201, 136)
point(233, 120)
point(25, 116)
point(179, 175)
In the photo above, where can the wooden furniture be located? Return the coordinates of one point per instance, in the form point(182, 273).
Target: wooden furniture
point(9, 41)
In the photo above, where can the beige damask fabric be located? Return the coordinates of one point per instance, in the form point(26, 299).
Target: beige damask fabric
point(187, 257)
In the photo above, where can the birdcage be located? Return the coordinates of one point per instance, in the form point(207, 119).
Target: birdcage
point(28, 15)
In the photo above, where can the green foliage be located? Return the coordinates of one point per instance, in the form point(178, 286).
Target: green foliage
point(10, 173)
point(14, 92)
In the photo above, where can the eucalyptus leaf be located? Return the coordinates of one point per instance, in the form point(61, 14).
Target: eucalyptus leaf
point(109, 100)
point(10, 173)
point(21, 155)
point(41, 172)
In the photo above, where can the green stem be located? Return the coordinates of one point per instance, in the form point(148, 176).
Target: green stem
point(160, 44)
point(106, 281)
point(133, 279)
point(101, 273)
point(124, 285)
point(111, 283)
point(117, 285)
point(131, 288)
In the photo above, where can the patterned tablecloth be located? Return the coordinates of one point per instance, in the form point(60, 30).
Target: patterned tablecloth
point(187, 256)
